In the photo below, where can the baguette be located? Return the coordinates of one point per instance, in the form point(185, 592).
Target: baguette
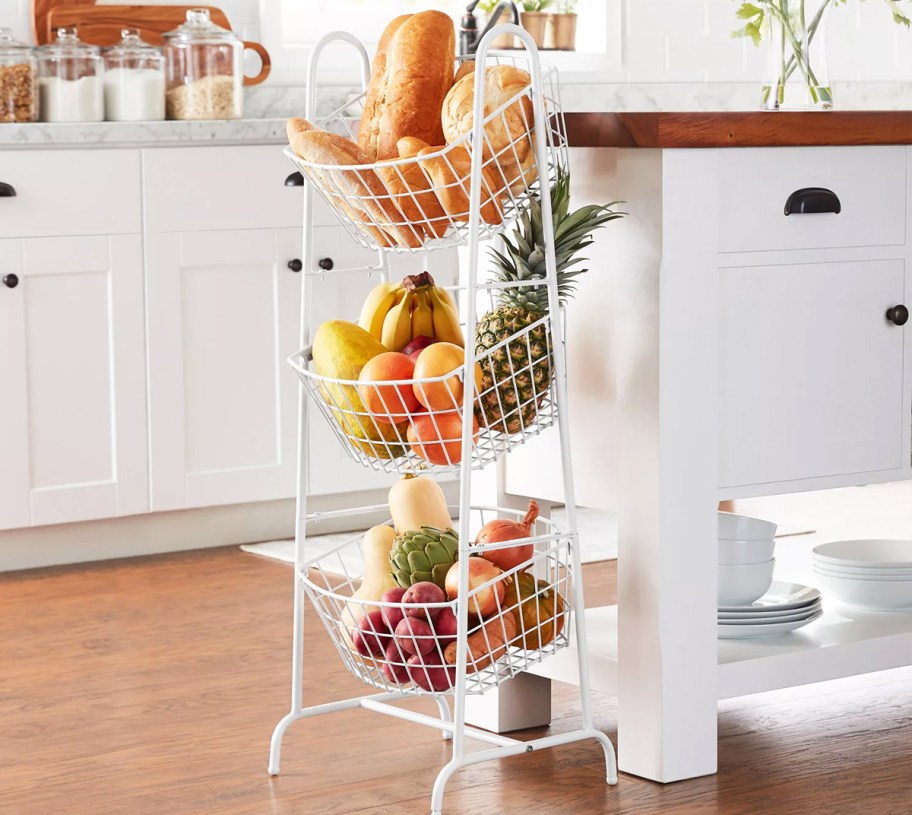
point(346, 187)
point(508, 136)
point(411, 75)
point(412, 192)
point(450, 176)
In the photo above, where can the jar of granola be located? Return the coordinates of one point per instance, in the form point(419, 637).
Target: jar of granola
point(18, 80)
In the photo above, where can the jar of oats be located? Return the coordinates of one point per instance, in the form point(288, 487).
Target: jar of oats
point(18, 80)
point(204, 77)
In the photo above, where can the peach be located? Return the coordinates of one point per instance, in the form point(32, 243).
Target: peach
point(437, 360)
point(389, 404)
point(437, 437)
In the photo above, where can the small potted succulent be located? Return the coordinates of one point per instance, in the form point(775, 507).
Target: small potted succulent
point(533, 17)
point(563, 26)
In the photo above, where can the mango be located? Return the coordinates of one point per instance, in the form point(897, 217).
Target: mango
point(340, 350)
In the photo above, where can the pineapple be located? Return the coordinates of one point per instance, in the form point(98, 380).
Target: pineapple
point(516, 376)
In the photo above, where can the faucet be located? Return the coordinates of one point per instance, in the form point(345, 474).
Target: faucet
point(469, 35)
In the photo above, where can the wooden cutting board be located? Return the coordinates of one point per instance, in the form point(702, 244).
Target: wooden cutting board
point(101, 25)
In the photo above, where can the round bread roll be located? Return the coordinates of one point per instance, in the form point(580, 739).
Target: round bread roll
point(508, 136)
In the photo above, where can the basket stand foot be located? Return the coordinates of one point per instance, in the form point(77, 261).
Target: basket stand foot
point(445, 716)
point(440, 785)
point(275, 745)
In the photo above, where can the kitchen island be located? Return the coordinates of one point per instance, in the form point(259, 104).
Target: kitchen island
point(752, 353)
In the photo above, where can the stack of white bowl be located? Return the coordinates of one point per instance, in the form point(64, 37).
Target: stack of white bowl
point(874, 574)
point(745, 558)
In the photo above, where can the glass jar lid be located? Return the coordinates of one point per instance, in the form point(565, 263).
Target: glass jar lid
point(200, 28)
point(132, 46)
point(10, 47)
point(66, 45)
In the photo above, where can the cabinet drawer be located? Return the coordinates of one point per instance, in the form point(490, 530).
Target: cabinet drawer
point(754, 185)
point(70, 193)
point(811, 371)
point(218, 188)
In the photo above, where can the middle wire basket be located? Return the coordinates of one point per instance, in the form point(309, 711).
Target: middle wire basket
point(529, 621)
point(404, 425)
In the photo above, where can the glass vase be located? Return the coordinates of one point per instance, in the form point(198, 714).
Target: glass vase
point(797, 74)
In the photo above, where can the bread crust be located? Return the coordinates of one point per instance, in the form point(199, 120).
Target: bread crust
point(450, 176)
point(411, 75)
point(411, 190)
point(363, 186)
point(509, 138)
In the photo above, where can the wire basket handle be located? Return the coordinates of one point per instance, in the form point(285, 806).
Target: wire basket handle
point(313, 66)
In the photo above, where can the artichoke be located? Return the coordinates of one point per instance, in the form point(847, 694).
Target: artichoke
point(424, 555)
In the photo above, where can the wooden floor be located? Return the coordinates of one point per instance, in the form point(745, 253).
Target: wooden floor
point(152, 686)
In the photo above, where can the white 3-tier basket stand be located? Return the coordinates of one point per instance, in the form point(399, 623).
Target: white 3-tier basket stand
point(329, 580)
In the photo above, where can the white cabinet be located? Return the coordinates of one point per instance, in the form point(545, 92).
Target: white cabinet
point(73, 380)
point(811, 371)
point(222, 311)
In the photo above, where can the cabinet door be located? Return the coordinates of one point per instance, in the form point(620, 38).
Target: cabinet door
point(811, 371)
point(222, 312)
point(73, 385)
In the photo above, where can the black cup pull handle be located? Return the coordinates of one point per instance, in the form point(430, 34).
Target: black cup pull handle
point(7, 190)
point(295, 264)
point(295, 180)
point(11, 281)
point(325, 264)
point(811, 200)
point(898, 315)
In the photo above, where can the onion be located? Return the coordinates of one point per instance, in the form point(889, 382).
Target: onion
point(500, 531)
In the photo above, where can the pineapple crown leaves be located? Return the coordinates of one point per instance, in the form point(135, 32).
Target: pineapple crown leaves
point(523, 256)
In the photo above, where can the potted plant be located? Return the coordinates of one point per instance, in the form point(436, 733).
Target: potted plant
point(534, 19)
point(563, 26)
point(797, 73)
point(503, 41)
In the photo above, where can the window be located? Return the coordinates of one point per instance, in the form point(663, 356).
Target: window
point(292, 27)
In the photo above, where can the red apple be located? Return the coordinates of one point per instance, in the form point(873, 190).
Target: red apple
point(417, 345)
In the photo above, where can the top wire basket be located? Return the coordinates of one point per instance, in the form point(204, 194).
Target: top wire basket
point(420, 201)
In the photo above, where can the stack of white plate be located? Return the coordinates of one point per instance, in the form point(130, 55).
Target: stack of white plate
point(874, 574)
point(785, 607)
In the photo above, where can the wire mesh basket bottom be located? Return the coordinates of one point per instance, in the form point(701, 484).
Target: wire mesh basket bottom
point(529, 624)
point(419, 202)
point(378, 429)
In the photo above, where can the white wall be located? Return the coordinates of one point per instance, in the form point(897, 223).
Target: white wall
point(673, 40)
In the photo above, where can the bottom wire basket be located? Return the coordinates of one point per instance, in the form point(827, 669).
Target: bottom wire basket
point(516, 618)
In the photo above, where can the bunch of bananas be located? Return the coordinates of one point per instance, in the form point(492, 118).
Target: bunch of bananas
point(397, 313)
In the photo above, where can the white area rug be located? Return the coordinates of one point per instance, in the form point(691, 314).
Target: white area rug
point(597, 529)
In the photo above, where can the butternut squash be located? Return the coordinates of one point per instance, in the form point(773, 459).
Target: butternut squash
point(418, 501)
point(375, 548)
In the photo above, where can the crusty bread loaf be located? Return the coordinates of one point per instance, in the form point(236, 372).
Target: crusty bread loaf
point(450, 175)
point(411, 74)
point(411, 190)
point(352, 189)
point(466, 68)
point(508, 136)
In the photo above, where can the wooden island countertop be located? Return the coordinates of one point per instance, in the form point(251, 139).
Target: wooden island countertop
point(740, 129)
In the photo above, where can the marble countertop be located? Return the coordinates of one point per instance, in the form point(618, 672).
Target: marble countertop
point(267, 107)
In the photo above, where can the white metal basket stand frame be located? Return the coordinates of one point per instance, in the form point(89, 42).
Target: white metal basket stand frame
point(455, 727)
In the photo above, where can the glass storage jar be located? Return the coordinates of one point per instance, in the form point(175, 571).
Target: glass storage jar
point(204, 73)
point(18, 80)
point(134, 80)
point(70, 80)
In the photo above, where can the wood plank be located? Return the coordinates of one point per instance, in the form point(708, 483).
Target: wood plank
point(152, 685)
point(739, 129)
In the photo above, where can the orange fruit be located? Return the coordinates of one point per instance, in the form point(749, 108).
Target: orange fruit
point(388, 404)
point(437, 437)
point(438, 360)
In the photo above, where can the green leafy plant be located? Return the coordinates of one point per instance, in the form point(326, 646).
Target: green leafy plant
point(536, 5)
point(798, 32)
point(566, 7)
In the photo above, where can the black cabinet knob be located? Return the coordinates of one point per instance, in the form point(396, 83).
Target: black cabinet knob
point(7, 190)
point(295, 264)
point(325, 264)
point(294, 180)
point(11, 281)
point(898, 315)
